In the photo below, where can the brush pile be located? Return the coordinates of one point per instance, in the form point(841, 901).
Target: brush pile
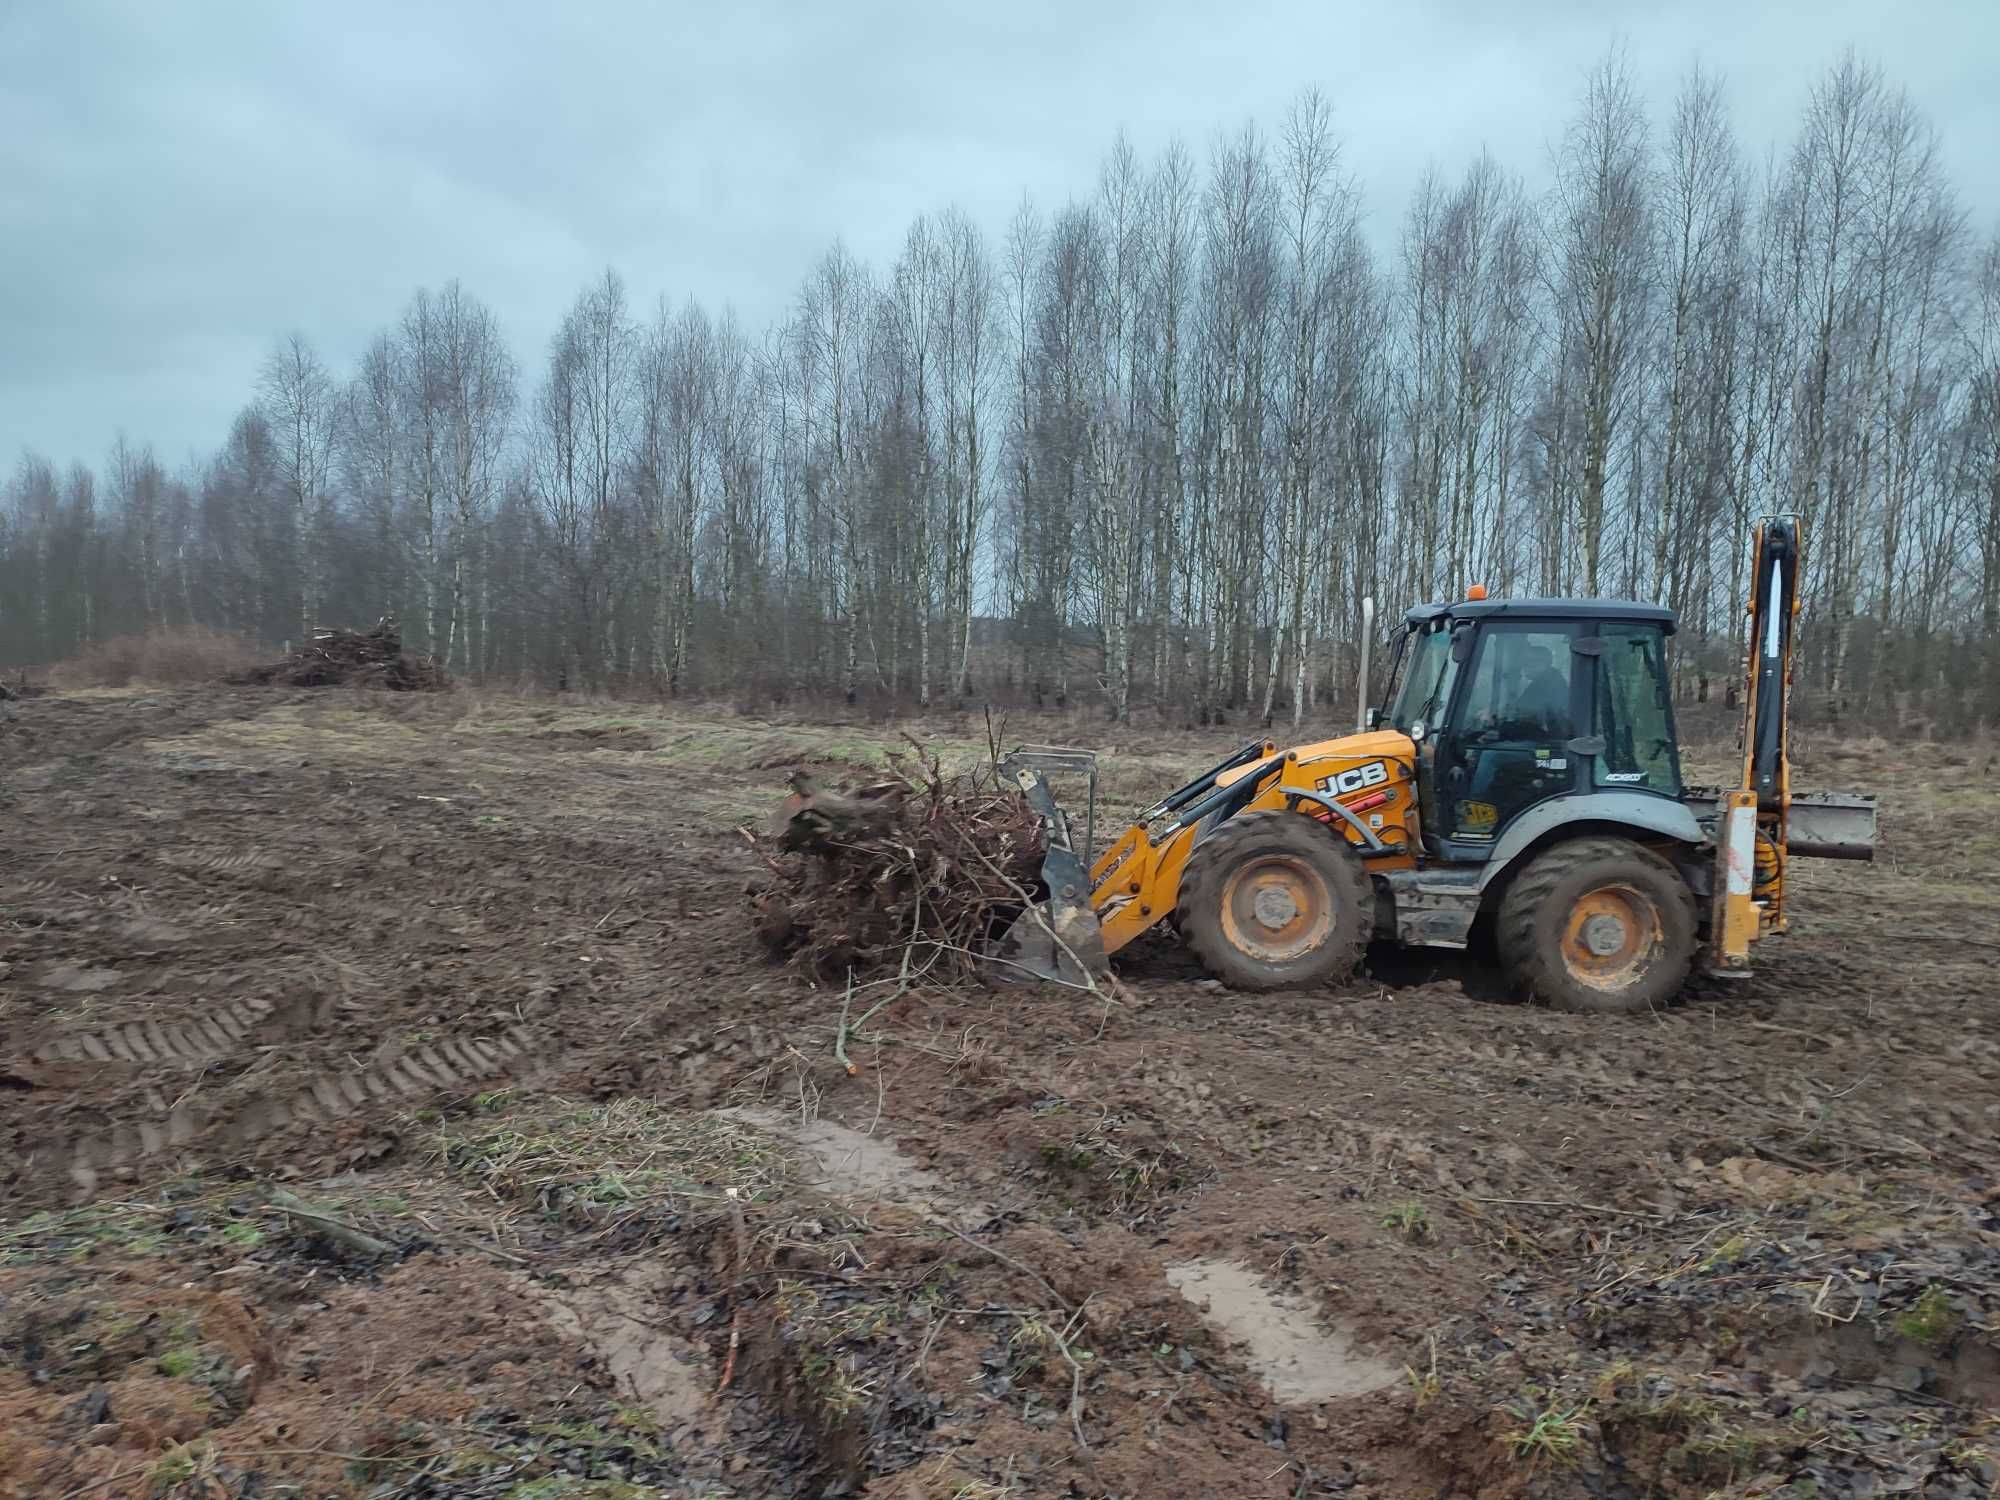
point(929, 864)
point(358, 658)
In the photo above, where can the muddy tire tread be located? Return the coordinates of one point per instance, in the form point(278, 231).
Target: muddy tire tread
point(1200, 901)
point(1534, 967)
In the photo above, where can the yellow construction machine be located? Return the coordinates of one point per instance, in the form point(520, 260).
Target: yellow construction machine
point(1523, 778)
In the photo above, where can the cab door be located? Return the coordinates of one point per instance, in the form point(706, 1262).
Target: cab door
point(1520, 702)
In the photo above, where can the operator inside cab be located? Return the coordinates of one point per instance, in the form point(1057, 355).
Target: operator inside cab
point(1520, 714)
point(1544, 695)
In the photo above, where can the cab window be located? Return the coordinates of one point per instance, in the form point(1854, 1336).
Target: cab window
point(1515, 720)
point(1428, 683)
point(1634, 712)
point(1520, 689)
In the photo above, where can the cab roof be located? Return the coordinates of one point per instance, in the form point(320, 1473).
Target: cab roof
point(1545, 609)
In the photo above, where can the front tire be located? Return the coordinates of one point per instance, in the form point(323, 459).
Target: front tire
point(1275, 900)
point(1598, 925)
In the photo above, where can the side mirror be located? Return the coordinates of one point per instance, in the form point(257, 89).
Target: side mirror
point(1461, 645)
point(1372, 719)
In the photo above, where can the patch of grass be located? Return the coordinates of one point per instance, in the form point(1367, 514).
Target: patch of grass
point(324, 732)
point(1618, 1373)
point(1068, 1156)
point(184, 1469)
point(828, 1341)
point(1683, 1411)
point(242, 1234)
point(129, 1228)
point(1550, 1434)
point(603, 1447)
point(1131, 1162)
point(1728, 1253)
point(1410, 1219)
point(587, 1162)
point(1931, 1320)
point(569, 1487)
point(1719, 1454)
point(173, 1468)
point(1424, 1385)
point(636, 1419)
point(175, 1363)
point(837, 1394)
point(1030, 1342)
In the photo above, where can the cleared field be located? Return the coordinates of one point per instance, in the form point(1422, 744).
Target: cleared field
point(396, 1104)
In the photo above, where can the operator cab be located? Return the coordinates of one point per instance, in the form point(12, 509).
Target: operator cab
point(1514, 702)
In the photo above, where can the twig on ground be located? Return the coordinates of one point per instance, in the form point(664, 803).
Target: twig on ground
point(735, 1342)
point(742, 1234)
point(923, 1354)
point(1061, 1341)
point(338, 1230)
point(1007, 1260)
point(840, 1030)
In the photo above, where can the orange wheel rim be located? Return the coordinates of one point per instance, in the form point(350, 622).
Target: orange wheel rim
point(1612, 937)
point(1276, 909)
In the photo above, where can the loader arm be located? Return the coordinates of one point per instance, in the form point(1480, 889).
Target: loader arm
point(1136, 883)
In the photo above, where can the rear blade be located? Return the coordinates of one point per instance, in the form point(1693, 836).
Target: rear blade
point(1057, 939)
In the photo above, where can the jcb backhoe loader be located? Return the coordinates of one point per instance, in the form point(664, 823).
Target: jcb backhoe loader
point(1525, 771)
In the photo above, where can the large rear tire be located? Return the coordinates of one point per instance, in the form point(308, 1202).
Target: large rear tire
point(1598, 924)
point(1275, 900)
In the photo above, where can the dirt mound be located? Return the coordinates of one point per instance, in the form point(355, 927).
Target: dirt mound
point(930, 865)
point(371, 658)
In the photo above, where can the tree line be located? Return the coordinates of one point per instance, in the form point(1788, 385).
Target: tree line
point(1150, 447)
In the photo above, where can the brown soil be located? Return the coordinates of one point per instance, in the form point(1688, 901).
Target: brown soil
point(387, 956)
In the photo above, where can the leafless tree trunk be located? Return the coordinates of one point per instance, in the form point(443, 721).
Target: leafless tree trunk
point(298, 397)
point(1601, 263)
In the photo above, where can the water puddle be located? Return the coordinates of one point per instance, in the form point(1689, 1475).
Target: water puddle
point(1297, 1360)
point(614, 1314)
point(849, 1164)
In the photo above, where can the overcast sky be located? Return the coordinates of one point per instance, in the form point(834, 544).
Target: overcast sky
point(180, 182)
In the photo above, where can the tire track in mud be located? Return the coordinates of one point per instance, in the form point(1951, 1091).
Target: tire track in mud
point(443, 1066)
point(216, 1034)
point(234, 863)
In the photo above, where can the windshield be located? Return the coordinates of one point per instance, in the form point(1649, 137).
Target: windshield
point(1430, 669)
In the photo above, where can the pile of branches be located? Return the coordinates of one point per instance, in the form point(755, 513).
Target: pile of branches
point(920, 872)
point(359, 658)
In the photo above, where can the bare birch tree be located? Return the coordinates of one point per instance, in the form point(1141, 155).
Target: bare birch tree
point(298, 398)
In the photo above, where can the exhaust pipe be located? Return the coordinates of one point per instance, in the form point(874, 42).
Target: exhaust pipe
point(1367, 640)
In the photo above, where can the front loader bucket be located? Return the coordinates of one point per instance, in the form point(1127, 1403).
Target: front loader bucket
point(1057, 939)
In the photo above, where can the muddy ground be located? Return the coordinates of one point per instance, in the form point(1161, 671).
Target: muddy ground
point(396, 1104)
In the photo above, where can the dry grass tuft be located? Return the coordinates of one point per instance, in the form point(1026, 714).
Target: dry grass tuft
point(160, 658)
point(601, 1161)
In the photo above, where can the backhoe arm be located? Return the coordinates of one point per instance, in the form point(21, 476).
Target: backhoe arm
point(1750, 857)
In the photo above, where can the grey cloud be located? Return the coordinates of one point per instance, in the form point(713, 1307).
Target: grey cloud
point(179, 184)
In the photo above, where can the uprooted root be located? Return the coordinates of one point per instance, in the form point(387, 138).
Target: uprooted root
point(932, 864)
